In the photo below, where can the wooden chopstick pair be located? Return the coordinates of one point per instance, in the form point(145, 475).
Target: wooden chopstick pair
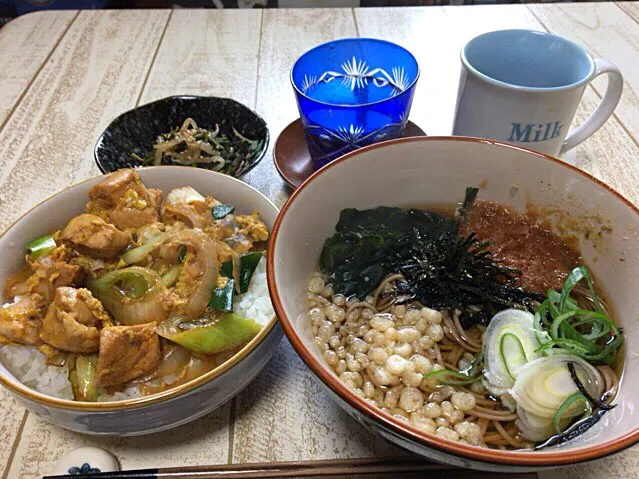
point(376, 468)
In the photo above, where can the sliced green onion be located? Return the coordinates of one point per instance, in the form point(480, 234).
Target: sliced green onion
point(575, 276)
point(558, 321)
point(540, 334)
point(41, 246)
point(222, 210)
point(133, 282)
point(82, 376)
point(169, 278)
point(248, 264)
point(443, 373)
point(222, 298)
point(561, 316)
point(136, 255)
point(563, 408)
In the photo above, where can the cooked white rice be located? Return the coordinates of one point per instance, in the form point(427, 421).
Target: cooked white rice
point(256, 302)
point(28, 365)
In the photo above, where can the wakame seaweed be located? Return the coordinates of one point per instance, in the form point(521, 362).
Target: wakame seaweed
point(442, 269)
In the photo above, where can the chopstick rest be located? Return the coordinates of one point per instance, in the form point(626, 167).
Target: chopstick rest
point(86, 460)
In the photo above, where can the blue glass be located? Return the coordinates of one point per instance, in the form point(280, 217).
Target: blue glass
point(352, 93)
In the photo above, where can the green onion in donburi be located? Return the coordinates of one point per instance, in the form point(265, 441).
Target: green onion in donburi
point(41, 247)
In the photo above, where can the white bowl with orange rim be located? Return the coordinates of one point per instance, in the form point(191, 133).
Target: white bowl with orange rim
point(436, 171)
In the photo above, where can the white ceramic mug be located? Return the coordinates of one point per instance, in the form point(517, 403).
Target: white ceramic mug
point(524, 87)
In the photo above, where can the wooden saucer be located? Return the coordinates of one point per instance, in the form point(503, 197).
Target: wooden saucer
point(291, 156)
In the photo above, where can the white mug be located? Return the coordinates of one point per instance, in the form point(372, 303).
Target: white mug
point(524, 87)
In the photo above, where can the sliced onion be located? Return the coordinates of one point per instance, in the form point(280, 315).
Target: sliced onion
point(196, 367)
point(148, 309)
point(183, 195)
point(187, 212)
point(544, 384)
point(236, 270)
point(509, 343)
point(202, 272)
point(174, 359)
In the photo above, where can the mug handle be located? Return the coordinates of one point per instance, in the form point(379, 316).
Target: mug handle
point(604, 109)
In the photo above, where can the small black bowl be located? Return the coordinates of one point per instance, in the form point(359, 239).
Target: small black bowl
point(137, 130)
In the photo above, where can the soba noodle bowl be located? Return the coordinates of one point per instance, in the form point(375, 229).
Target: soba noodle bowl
point(468, 372)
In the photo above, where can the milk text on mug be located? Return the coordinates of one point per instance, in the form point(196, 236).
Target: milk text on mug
point(524, 87)
point(530, 132)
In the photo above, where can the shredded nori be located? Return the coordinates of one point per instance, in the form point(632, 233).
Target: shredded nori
point(577, 429)
point(442, 269)
point(597, 402)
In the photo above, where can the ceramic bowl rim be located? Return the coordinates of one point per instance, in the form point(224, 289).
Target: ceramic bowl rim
point(372, 413)
point(173, 393)
point(258, 158)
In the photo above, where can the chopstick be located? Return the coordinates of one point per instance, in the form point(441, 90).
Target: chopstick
point(338, 468)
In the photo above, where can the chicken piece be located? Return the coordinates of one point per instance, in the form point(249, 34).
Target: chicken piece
point(127, 352)
point(115, 185)
point(133, 211)
point(47, 277)
point(73, 321)
point(21, 322)
point(99, 207)
point(91, 235)
point(128, 202)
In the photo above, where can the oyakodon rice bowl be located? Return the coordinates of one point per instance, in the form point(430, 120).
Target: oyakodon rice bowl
point(68, 364)
point(30, 366)
point(454, 376)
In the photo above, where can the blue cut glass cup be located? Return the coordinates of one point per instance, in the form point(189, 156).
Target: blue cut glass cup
point(351, 93)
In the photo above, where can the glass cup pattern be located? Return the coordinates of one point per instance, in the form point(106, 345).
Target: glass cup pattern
point(351, 93)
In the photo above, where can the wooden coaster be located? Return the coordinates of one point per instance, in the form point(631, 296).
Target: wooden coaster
point(291, 156)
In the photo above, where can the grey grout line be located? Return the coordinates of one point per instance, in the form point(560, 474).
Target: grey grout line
point(37, 73)
point(155, 54)
point(14, 448)
point(232, 412)
point(591, 85)
point(616, 4)
point(355, 22)
point(259, 58)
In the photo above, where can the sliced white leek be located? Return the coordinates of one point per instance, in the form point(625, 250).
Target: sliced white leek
point(509, 343)
point(536, 428)
point(544, 384)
